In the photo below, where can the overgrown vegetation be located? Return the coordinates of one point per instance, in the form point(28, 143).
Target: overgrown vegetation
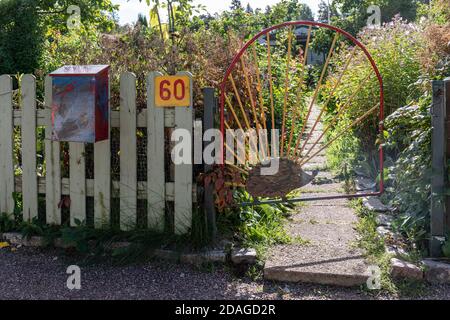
point(257, 226)
point(409, 56)
point(375, 249)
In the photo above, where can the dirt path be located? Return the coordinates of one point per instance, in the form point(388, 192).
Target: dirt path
point(330, 257)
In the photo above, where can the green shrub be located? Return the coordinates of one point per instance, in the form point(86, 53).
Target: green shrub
point(446, 248)
point(395, 48)
point(408, 135)
point(7, 223)
point(21, 36)
point(257, 226)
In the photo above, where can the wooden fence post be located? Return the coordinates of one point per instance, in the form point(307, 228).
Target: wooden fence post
point(439, 167)
point(102, 178)
point(128, 152)
point(156, 182)
point(183, 172)
point(6, 145)
point(52, 164)
point(29, 126)
point(447, 125)
point(210, 108)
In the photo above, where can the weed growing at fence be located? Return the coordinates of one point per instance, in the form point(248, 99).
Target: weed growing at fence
point(375, 251)
point(7, 223)
point(446, 247)
point(122, 247)
point(258, 226)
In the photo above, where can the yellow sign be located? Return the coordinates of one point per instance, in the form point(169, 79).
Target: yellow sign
point(172, 91)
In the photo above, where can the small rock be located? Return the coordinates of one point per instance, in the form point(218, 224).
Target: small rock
point(13, 238)
point(396, 251)
point(215, 256)
point(168, 255)
point(365, 184)
point(384, 232)
point(199, 258)
point(384, 220)
point(403, 269)
point(34, 242)
point(216, 286)
point(16, 238)
point(181, 275)
point(59, 243)
point(437, 272)
point(244, 256)
point(374, 204)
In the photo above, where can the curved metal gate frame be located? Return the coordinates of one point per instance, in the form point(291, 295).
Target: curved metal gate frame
point(381, 113)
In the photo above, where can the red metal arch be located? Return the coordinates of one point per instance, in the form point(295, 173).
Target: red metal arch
point(355, 41)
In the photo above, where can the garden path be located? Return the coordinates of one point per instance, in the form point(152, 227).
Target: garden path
point(330, 256)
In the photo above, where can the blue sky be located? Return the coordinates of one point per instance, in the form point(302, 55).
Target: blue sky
point(129, 10)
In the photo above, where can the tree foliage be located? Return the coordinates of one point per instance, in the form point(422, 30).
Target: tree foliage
point(21, 36)
point(26, 25)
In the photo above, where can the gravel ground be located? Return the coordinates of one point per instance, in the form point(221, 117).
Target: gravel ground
point(41, 274)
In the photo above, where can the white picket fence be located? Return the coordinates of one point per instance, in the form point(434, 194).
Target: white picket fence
point(156, 190)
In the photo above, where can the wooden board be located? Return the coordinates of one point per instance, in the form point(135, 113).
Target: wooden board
point(128, 153)
point(6, 146)
point(29, 175)
point(102, 180)
point(156, 200)
point(52, 164)
point(77, 183)
point(183, 172)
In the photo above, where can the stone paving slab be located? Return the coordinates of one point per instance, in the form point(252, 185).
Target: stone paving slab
point(320, 265)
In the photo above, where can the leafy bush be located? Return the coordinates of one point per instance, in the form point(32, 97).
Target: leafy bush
point(438, 11)
point(255, 226)
point(21, 36)
point(394, 47)
point(409, 57)
point(408, 135)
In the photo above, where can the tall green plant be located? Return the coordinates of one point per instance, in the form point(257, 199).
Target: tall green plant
point(395, 48)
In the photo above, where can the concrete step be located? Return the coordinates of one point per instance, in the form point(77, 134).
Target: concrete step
point(311, 264)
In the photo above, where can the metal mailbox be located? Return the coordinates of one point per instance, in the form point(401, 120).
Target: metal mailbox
point(80, 103)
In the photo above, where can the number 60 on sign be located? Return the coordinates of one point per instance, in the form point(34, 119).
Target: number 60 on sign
point(173, 91)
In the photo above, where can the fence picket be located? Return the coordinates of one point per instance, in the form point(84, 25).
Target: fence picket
point(156, 187)
point(77, 185)
point(29, 175)
point(183, 172)
point(6, 145)
point(102, 179)
point(128, 152)
point(52, 165)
